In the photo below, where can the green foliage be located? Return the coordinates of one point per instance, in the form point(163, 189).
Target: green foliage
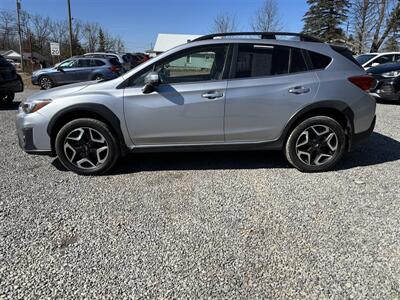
point(325, 18)
point(392, 45)
point(102, 41)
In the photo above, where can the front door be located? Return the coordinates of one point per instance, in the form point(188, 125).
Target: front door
point(188, 105)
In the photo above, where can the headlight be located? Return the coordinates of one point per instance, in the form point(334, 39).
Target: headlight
point(391, 74)
point(30, 107)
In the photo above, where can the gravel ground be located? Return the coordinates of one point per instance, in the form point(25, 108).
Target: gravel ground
point(202, 225)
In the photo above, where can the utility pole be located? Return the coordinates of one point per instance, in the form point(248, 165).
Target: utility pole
point(19, 35)
point(70, 28)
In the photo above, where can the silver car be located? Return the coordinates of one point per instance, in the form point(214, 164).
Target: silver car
point(303, 96)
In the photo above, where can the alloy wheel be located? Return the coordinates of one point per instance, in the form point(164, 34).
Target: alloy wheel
point(46, 83)
point(317, 145)
point(86, 148)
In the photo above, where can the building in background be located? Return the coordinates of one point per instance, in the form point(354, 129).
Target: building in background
point(166, 41)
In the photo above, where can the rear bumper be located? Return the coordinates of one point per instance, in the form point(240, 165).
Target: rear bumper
point(13, 86)
point(362, 136)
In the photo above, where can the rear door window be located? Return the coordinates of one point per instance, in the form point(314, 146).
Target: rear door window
point(84, 63)
point(297, 61)
point(261, 60)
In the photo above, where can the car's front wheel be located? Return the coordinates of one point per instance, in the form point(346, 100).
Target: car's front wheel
point(45, 82)
point(87, 147)
point(316, 144)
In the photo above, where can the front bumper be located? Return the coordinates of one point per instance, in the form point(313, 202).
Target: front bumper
point(387, 89)
point(35, 80)
point(32, 134)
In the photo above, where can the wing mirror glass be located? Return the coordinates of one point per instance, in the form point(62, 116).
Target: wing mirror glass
point(375, 64)
point(151, 81)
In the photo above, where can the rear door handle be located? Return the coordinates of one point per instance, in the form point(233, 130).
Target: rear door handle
point(297, 90)
point(212, 95)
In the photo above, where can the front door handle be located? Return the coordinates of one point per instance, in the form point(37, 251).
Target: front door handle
point(297, 90)
point(212, 95)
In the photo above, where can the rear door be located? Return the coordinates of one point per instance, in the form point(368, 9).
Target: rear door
point(268, 85)
point(83, 71)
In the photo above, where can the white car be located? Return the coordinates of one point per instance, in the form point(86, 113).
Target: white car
point(370, 60)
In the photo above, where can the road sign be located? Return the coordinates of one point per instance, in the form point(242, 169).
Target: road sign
point(55, 49)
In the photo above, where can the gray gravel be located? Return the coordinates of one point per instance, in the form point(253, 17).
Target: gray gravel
point(202, 225)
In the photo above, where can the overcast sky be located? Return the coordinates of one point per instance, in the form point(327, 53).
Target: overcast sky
point(138, 22)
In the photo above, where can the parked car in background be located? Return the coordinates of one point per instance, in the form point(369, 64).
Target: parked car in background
point(78, 69)
point(10, 81)
point(370, 60)
point(123, 58)
point(387, 78)
point(138, 58)
point(305, 97)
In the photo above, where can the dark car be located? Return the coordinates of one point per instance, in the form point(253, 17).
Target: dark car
point(138, 58)
point(10, 81)
point(78, 69)
point(387, 78)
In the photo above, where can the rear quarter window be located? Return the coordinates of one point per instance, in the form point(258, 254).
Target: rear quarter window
point(114, 61)
point(97, 63)
point(319, 61)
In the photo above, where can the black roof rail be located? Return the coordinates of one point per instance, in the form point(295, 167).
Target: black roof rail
point(264, 35)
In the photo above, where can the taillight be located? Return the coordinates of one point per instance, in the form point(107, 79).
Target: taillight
point(114, 69)
point(364, 82)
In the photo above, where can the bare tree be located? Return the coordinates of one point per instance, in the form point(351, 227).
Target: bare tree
point(224, 23)
point(41, 28)
point(90, 33)
point(387, 21)
point(7, 29)
point(362, 15)
point(267, 17)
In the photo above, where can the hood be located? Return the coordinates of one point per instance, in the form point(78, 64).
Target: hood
point(61, 91)
point(384, 68)
point(41, 71)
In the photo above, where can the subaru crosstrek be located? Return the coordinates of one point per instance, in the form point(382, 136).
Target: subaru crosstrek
point(308, 98)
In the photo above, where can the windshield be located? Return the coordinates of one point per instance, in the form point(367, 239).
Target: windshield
point(363, 58)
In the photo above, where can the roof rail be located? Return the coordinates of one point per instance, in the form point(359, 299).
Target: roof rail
point(264, 35)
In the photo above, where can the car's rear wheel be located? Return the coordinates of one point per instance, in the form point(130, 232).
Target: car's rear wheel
point(7, 98)
point(87, 147)
point(316, 144)
point(45, 82)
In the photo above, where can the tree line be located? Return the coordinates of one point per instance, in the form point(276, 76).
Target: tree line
point(363, 25)
point(38, 31)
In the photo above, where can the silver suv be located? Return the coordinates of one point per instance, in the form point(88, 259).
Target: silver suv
point(303, 96)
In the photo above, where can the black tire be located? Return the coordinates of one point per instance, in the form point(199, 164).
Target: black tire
point(89, 127)
point(314, 156)
point(7, 98)
point(45, 82)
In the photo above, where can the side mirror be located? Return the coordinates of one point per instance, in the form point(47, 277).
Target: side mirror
point(151, 81)
point(375, 64)
point(60, 69)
